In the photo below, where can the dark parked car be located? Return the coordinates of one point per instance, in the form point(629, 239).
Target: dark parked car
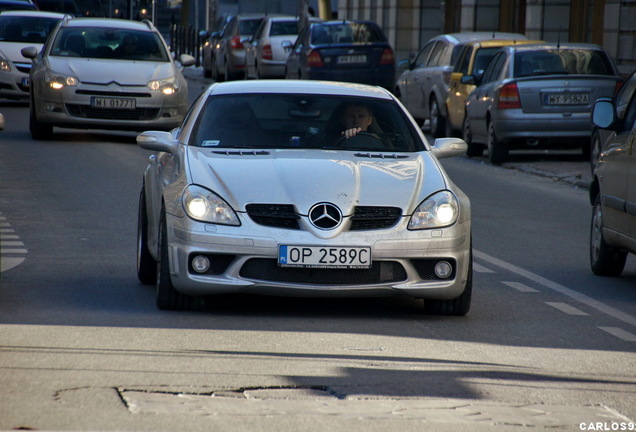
point(537, 96)
point(612, 193)
point(349, 51)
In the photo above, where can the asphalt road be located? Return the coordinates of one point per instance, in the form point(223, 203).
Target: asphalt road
point(546, 346)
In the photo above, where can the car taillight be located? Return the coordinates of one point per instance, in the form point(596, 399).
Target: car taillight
point(267, 52)
point(314, 60)
point(387, 57)
point(236, 43)
point(509, 97)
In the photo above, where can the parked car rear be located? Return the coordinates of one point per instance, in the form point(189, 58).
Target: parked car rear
point(229, 51)
point(349, 51)
point(423, 83)
point(537, 96)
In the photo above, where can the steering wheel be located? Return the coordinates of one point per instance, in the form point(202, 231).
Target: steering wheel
point(356, 139)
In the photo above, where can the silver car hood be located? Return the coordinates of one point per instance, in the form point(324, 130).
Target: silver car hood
point(12, 51)
point(104, 71)
point(308, 177)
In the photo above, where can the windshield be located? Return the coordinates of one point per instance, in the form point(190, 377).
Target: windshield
point(109, 43)
point(26, 29)
point(280, 121)
point(562, 61)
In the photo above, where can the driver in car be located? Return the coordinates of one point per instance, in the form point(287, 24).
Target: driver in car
point(356, 118)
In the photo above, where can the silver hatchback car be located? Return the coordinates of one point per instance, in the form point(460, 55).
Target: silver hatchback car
point(260, 192)
point(101, 73)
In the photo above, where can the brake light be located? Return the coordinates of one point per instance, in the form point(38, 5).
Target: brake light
point(314, 60)
point(267, 52)
point(509, 97)
point(236, 43)
point(387, 57)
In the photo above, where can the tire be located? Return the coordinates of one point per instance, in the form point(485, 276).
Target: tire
point(39, 131)
point(207, 73)
point(473, 150)
point(216, 76)
point(595, 150)
point(168, 298)
point(497, 152)
point(458, 306)
point(437, 120)
point(146, 264)
point(605, 260)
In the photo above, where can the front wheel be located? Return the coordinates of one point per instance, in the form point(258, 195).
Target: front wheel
point(605, 260)
point(39, 131)
point(168, 298)
point(146, 264)
point(473, 150)
point(458, 306)
point(438, 122)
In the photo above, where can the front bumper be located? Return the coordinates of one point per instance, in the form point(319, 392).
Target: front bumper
point(403, 261)
point(71, 107)
point(14, 85)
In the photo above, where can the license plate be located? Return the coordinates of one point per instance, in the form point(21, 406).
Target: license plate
point(349, 59)
point(26, 82)
point(567, 99)
point(113, 103)
point(324, 257)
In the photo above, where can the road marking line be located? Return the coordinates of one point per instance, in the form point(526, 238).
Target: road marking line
point(520, 287)
point(588, 301)
point(481, 269)
point(620, 333)
point(564, 307)
point(13, 251)
point(11, 243)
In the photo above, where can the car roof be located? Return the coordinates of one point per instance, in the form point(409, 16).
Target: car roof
point(478, 36)
point(34, 13)
point(554, 45)
point(115, 23)
point(331, 88)
point(502, 42)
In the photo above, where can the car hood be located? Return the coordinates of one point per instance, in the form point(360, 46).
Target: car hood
point(305, 178)
point(106, 71)
point(11, 50)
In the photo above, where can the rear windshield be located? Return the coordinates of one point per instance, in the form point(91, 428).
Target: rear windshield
point(281, 28)
point(275, 121)
point(562, 61)
point(109, 43)
point(247, 27)
point(26, 29)
point(346, 33)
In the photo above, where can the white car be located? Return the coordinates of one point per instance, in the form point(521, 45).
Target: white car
point(259, 192)
point(19, 29)
point(267, 51)
point(103, 73)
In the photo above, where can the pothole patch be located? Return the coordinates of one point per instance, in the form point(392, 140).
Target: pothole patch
point(317, 400)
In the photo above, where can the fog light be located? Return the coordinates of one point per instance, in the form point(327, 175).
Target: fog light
point(200, 264)
point(443, 269)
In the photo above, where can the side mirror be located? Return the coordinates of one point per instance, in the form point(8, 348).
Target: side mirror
point(604, 113)
point(468, 79)
point(30, 52)
point(160, 141)
point(203, 34)
point(187, 60)
point(449, 147)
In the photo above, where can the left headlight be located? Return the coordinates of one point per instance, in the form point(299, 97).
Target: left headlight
point(206, 206)
point(4, 65)
point(166, 86)
point(437, 211)
point(59, 81)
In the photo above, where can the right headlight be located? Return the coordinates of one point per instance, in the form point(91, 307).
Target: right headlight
point(437, 211)
point(204, 205)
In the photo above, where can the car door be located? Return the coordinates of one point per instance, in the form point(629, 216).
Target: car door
point(410, 85)
point(480, 99)
point(457, 93)
point(631, 169)
point(431, 77)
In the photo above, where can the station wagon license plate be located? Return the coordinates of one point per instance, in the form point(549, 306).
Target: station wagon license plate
point(567, 99)
point(324, 257)
point(352, 59)
point(113, 103)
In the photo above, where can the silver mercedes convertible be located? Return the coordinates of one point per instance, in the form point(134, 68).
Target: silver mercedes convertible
point(302, 188)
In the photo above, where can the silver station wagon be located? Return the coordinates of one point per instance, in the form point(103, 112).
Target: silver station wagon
point(302, 188)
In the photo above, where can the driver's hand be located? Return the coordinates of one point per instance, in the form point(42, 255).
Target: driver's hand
point(351, 132)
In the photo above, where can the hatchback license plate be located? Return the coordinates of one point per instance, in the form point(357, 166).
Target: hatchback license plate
point(567, 99)
point(324, 257)
point(352, 59)
point(113, 103)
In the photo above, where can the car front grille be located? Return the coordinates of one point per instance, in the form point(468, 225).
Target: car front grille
point(113, 94)
point(265, 269)
point(137, 114)
point(285, 216)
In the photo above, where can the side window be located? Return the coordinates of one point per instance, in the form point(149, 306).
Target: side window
point(422, 56)
point(437, 55)
point(624, 95)
point(497, 64)
point(464, 60)
point(630, 116)
point(489, 68)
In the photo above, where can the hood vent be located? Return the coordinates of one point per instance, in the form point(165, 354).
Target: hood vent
point(381, 156)
point(241, 152)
